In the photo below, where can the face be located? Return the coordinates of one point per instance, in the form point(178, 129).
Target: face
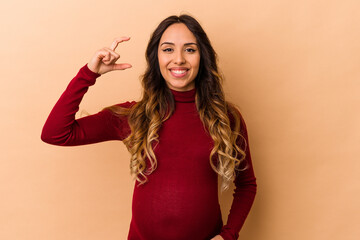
point(179, 57)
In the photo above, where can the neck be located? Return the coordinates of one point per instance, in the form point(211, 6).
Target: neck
point(184, 96)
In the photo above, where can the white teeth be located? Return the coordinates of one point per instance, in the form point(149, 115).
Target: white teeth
point(178, 71)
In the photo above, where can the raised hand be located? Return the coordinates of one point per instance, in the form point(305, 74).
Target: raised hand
point(105, 59)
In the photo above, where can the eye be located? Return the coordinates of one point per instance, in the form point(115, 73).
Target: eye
point(190, 50)
point(167, 50)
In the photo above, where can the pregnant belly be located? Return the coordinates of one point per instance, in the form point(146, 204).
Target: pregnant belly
point(174, 210)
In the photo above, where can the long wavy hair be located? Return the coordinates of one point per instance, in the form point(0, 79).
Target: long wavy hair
point(157, 105)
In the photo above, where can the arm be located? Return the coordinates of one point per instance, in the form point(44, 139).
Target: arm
point(61, 128)
point(244, 193)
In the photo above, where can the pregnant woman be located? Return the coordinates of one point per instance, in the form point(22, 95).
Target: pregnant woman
point(181, 136)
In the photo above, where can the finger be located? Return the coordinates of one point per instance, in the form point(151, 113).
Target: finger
point(108, 57)
point(110, 61)
point(117, 41)
point(115, 54)
point(101, 54)
point(121, 66)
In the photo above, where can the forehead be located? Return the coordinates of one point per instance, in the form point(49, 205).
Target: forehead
point(178, 33)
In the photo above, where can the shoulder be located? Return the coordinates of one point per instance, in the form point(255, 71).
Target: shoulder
point(127, 104)
point(235, 117)
point(233, 112)
point(118, 111)
point(118, 108)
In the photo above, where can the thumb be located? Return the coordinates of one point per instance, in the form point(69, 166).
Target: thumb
point(122, 66)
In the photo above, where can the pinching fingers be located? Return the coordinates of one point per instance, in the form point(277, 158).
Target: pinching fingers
point(117, 41)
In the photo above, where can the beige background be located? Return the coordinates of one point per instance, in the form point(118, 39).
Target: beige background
point(291, 66)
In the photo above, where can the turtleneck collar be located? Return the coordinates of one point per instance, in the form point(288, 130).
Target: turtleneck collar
point(185, 96)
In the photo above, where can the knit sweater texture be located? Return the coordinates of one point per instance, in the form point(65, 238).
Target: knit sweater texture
point(180, 199)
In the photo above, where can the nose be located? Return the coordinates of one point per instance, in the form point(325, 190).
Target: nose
point(179, 58)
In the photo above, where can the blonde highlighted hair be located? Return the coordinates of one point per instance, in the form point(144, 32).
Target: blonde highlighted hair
point(220, 118)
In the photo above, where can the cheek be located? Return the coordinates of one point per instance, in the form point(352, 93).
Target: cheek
point(162, 65)
point(163, 61)
point(196, 63)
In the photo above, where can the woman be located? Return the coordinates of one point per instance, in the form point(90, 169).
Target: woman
point(181, 135)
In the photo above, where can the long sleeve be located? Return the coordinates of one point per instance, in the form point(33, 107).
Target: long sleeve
point(244, 193)
point(61, 127)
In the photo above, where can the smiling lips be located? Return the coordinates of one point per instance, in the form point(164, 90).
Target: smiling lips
point(178, 72)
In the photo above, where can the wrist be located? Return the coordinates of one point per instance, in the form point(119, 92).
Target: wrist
point(90, 72)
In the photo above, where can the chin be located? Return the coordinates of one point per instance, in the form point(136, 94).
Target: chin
point(181, 88)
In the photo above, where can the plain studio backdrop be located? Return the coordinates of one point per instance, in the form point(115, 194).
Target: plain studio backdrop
point(292, 67)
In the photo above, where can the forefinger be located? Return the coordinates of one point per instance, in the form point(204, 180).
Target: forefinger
point(117, 41)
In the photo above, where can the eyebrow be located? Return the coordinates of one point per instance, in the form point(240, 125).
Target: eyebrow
point(186, 44)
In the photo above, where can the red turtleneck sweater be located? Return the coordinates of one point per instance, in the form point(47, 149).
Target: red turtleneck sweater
point(180, 199)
